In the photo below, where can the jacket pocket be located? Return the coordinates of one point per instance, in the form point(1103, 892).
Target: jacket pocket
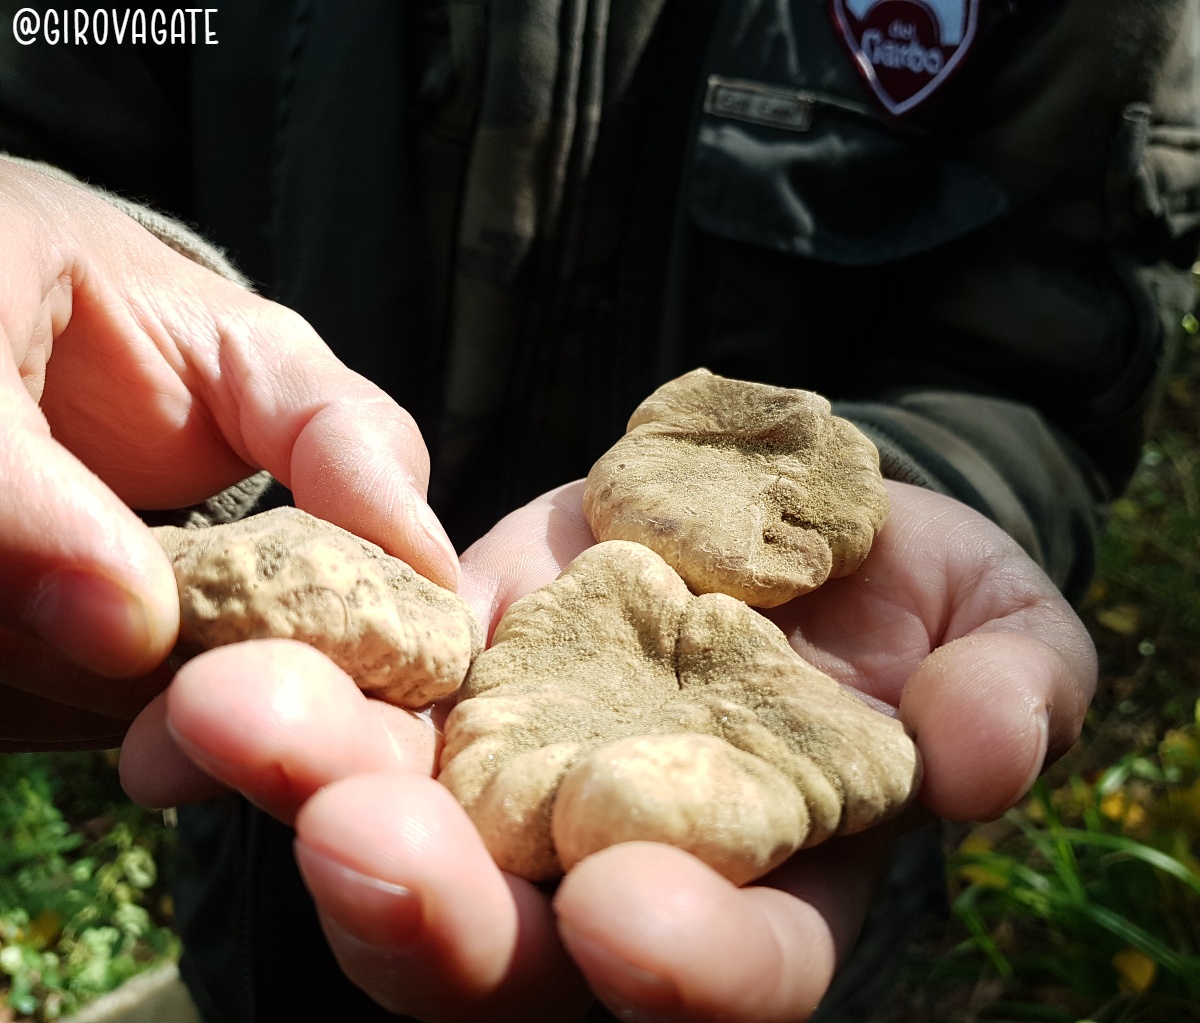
point(817, 176)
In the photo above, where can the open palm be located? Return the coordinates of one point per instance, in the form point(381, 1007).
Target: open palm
point(947, 621)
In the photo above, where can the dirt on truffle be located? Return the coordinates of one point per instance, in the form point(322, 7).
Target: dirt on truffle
point(614, 705)
point(756, 491)
point(285, 574)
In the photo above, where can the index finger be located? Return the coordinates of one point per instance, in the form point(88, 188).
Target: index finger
point(275, 396)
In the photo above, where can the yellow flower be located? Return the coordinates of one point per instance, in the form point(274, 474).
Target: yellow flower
point(1135, 970)
point(1124, 619)
point(1136, 821)
point(976, 873)
point(1123, 508)
point(44, 929)
point(1114, 805)
point(1179, 748)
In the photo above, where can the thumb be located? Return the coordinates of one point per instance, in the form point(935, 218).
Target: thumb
point(82, 573)
point(525, 550)
point(989, 712)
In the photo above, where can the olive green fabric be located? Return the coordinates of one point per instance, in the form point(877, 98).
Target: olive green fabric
point(545, 71)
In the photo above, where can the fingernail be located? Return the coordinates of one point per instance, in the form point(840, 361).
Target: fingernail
point(96, 622)
point(1042, 722)
point(631, 994)
point(435, 531)
point(370, 911)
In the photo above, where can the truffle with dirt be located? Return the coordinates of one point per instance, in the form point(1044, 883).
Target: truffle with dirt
point(285, 574)
point(615, 705)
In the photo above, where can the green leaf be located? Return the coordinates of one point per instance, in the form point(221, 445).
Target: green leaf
point(139, 868)
point(1185, 967)
point(1137, 850)
point(965, 911)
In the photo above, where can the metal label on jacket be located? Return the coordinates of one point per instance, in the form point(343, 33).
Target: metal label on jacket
point(906, 49)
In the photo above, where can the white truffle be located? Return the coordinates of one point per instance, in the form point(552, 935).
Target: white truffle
point(614, 705)
point(287, 575)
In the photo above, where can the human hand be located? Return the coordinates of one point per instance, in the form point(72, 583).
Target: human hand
point(132, 376)
point(947, 618)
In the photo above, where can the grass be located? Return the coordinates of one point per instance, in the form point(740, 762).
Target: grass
point(82, 907)
point(1083, 903)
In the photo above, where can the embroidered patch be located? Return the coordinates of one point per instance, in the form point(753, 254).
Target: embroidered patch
point(906, 49)
point(773, 106)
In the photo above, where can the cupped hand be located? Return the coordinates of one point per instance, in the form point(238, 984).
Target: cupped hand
point(130, 376)
point(947, 620)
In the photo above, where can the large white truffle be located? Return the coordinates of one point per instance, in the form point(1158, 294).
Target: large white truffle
point(614, 705)
point(743, 488)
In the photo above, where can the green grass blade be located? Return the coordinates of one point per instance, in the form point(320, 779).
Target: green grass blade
point(1136, 850)
point(1187, 968)
point(964, 909)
